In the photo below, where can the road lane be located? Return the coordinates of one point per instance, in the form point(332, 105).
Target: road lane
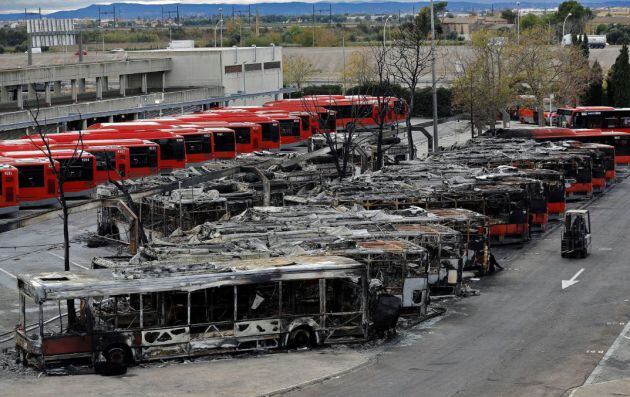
point(524, 335)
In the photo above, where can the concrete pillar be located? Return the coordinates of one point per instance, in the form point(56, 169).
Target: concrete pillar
point(144, 88)
point(122, 82)
point(74, 89)
point(47, 93)
point(105, 83)
point(163, 81)
point(57, 87)
point(32, 93)
point(110, 119)
point(84, 124)
point(4, 95)
point(20, 97)
point(99, 88)
point(135, 116)
point(81, 86)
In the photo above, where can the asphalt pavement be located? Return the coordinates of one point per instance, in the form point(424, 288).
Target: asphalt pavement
point(524, 335)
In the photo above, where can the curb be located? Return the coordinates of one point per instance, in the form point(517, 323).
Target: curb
point(365, 363)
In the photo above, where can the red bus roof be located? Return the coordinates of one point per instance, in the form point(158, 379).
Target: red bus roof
point(55, 153)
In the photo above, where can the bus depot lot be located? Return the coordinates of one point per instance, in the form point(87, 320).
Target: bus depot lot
point(522, 336)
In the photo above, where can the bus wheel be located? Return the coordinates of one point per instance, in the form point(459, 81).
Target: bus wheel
point(301, 338)
point(116, 358)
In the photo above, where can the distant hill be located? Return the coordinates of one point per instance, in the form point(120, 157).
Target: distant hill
point(153, 11)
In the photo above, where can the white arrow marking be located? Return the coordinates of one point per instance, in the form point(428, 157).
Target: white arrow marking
point(568, 283)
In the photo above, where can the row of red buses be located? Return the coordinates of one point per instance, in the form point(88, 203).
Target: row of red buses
point(619, 140)
point(115, 151)
point(358, 111)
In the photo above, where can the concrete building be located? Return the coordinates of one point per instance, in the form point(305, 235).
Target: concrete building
point(142, 84)
point(239, 70)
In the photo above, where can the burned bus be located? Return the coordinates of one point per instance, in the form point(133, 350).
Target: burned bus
point(164, 310)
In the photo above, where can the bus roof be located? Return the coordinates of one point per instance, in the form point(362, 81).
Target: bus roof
point(67, 285)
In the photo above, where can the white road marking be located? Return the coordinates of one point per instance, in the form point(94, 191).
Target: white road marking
point(568, 283)
point(72, 262)
point(8, 273)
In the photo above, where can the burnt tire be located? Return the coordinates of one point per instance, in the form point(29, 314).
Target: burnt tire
point(301, 338)
point(116, 360)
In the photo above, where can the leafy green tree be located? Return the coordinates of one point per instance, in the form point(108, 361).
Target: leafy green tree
point(577, 10)
point(530, 20)
point(584, 46)
point(579, 15)
point(594, 93)
point(423, 19)
point(618, 81)
point(509, 15)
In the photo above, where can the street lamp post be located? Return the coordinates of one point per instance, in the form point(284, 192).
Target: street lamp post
point(384, 27)
point(563, 24)
point(221, 26)
point(433, 85)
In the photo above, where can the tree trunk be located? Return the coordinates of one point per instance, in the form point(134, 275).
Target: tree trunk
point(541, 115)
point(412, 148)
point(72, 317)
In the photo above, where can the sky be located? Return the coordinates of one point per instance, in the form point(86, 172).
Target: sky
point(55, 5)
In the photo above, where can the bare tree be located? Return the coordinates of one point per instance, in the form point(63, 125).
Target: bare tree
point(545, 69)
point(486, 80)
point(411, 60)
point(62, 172)
point(359, 69)
point(297, 70)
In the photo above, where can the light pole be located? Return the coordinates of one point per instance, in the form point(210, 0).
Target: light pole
point(518, 22)
point(221, 26)
point(563, 24)
point(433, 85)
point(384, 27)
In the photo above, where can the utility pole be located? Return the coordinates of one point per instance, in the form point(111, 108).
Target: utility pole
point(433, 85)
point(518, 23)
point(343, 76)
point(313, 43)
point(330, 13)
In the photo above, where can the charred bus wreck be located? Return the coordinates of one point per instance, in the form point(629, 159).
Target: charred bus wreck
point(147, 313)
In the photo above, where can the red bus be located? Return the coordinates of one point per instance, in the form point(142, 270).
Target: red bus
point(247, 136)
point(143, 154)
point(195, 145)
point(607, 153)
point(78, 166)
point(292, 131)
point(598, 117)
point(23, 144)
point(270, 130)
point(9, 189)
point(112, 161)
point(620, 140)
point(321, 119)
point(358, 111)
point(288, 136)
point(37, 182)
point(172, 147)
